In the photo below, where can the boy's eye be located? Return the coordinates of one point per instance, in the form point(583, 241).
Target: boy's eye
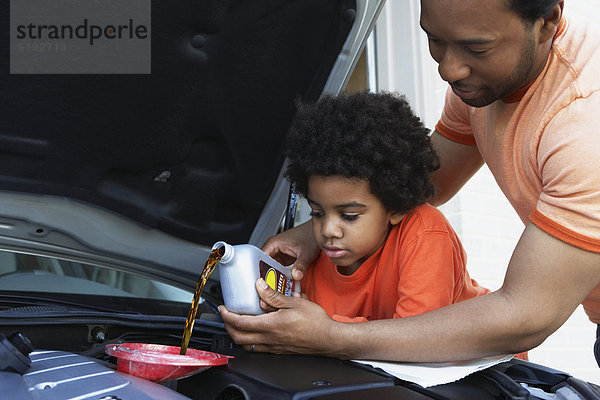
point(349, 217)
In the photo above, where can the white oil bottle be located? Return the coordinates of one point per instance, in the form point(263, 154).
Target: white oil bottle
point(239, 268)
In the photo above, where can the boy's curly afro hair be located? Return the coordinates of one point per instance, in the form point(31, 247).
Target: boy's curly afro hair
point(368, 136)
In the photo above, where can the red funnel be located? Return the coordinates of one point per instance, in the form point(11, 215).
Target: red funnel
point(160, 363)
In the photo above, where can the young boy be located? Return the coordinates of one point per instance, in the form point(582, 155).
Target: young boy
point(363, 161)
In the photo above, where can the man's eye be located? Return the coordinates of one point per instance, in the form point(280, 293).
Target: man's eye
point(349, 217)
point(477, 52)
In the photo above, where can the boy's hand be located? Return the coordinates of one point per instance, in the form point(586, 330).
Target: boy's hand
point(294, 246)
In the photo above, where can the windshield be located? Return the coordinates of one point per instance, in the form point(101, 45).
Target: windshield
point(34, 273)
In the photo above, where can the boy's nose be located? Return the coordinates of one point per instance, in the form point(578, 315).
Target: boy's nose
point(330, 229)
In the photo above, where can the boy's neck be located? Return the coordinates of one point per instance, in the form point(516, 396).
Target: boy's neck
point(349, 270)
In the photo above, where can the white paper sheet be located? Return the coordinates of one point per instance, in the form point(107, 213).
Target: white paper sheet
point(431, 374)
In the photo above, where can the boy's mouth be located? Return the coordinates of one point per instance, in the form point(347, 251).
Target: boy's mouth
point(334, 252)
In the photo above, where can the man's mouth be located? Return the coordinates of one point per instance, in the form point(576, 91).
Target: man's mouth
point(466, 93)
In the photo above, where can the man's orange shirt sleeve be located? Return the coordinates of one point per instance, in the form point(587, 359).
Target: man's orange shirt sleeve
point(454, 124)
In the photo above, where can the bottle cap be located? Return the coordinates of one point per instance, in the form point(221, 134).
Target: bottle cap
point(227, 253)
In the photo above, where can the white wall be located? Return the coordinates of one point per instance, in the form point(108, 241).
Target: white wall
point(481, 215)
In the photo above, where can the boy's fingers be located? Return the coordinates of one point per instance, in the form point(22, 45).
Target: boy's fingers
point(298, 271)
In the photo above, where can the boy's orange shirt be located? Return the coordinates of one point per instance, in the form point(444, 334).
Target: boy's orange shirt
point(420, 267)
point(543, 143)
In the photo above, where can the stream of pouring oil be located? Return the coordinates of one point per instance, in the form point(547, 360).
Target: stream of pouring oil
point(211, 263)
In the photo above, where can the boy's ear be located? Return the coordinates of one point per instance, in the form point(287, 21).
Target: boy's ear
point(396, 217)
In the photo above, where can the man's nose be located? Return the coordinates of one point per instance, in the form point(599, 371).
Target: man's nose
point(452, 67)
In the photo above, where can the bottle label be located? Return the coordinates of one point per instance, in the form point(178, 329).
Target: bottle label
point(276, 279)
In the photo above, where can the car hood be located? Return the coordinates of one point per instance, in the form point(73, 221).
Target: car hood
point(147, 171)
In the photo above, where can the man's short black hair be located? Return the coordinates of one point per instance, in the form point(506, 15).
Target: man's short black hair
point(363, 135)
point(532, 10)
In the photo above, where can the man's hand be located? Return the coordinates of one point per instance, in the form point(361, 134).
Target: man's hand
point(298, 326)
point(294, 246)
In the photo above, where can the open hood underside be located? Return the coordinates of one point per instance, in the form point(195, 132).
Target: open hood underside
point(152, 169)
point(193, 149)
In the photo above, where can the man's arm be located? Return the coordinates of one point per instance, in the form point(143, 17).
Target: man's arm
point(546, 280)
point(458, 163)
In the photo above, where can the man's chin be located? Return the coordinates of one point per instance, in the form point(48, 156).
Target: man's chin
point(478, 102)
point(473, 98)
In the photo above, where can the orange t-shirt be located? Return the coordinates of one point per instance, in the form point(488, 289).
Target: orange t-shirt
point(420, 267)
point(543, 143)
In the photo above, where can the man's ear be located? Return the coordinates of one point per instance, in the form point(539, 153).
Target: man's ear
point(551, 21)
point(396, 217)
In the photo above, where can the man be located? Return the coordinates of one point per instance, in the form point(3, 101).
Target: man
point(523, 98)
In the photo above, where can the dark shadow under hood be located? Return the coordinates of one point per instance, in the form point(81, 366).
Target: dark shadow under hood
point(192, 149)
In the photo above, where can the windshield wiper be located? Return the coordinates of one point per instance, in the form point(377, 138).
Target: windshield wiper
point(33, 310)
point(12, 301)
